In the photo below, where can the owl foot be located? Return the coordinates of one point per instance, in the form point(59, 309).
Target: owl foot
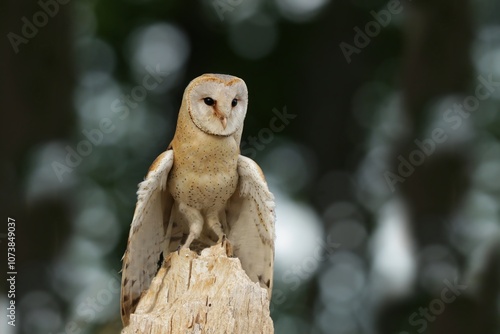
point(195, 220)
point(227, 245)
point(215, 225)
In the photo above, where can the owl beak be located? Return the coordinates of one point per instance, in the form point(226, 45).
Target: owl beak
point(221, 117)
point(223, 120)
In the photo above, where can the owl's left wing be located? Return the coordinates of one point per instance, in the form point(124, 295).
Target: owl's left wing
point(147, 236)
point(250, 218)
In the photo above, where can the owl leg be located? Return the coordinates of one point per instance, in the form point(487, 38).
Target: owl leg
point(214, 224)
point(223, 221)
point(195, 221)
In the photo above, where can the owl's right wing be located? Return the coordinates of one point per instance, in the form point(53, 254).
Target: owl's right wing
point(147, 236)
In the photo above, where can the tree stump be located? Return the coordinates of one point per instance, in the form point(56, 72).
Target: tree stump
point(206, 293)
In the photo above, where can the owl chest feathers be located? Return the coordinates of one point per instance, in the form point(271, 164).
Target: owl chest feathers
point(204, 173)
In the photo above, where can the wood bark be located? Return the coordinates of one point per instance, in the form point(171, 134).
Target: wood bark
point(206, 293)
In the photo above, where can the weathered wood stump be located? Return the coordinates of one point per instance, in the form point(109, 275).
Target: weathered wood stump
point(206, 293)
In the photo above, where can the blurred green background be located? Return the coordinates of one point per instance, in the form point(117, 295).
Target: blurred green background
point(376, 123)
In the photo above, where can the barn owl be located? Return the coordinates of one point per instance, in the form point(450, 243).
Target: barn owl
point(200, 191)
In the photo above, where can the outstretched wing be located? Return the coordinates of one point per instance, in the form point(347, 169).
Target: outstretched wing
point(147, 236)
point(250, 218)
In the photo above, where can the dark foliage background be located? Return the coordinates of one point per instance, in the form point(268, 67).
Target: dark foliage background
point(377, 124)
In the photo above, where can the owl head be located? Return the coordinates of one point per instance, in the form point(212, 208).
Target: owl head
point(217, 103)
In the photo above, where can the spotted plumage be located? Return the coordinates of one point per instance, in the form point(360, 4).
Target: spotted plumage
point(201, 190)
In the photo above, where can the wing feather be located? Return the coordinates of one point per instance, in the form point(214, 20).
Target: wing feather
point(251, 218)
point(147, 234)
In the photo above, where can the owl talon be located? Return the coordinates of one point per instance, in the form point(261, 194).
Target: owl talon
point(227, 245)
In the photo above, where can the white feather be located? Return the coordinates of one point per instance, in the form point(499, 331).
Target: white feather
point(147, 236)
point(251, 220)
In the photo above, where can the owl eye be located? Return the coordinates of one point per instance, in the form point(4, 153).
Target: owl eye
point(209, 101)
point(234, 102)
